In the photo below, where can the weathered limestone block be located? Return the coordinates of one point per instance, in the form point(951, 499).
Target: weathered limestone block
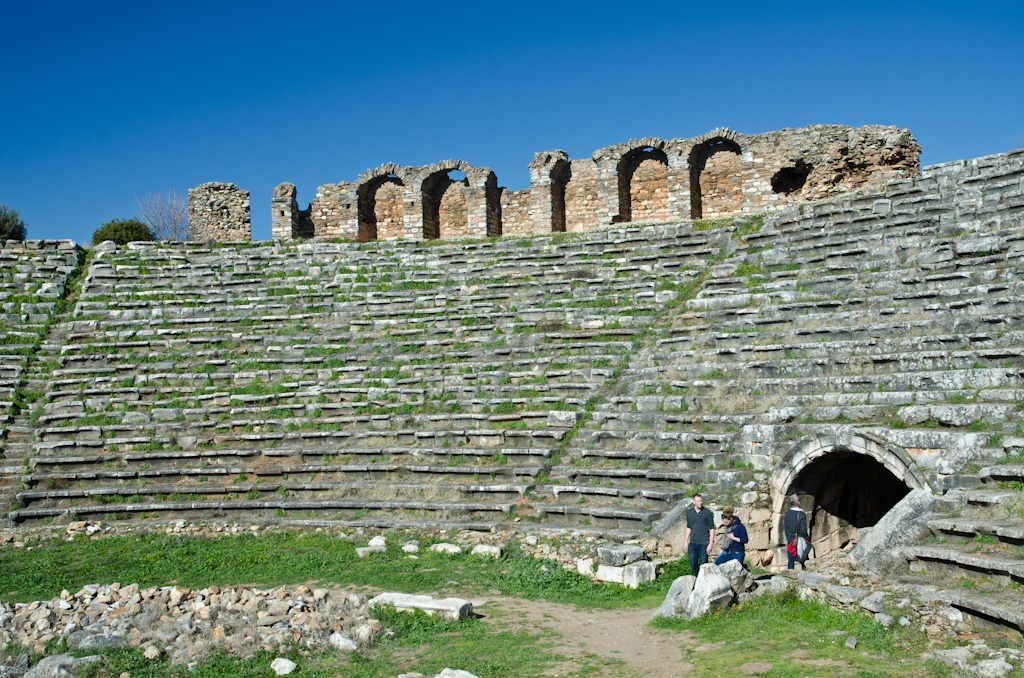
point(620, 554)
point(675, 599)
point(712, 589)
point(451, 609)
point(902, 525)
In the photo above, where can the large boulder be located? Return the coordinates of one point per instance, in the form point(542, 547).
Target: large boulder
point(712, 589)
point(739, 578)
point(879, 550)
point(676, 598)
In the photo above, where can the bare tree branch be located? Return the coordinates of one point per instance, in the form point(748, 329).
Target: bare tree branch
point(166, 216)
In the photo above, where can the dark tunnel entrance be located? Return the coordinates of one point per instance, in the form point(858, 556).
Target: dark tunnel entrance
point(843, 491)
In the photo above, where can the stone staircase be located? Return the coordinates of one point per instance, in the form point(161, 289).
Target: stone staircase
point(33, 277)
point(566, 380)
point(973, 558)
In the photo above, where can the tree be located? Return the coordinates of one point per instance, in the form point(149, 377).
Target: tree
point(11, 226)
point(167, 216)
point(122, 231)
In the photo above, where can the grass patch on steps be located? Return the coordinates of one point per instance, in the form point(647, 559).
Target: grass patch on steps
point(292, 557)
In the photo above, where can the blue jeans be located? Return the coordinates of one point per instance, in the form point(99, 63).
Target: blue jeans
point(698, 556)
point(726, 556)
point(793, 561)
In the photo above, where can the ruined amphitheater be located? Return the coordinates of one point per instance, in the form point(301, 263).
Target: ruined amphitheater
point(807, 311)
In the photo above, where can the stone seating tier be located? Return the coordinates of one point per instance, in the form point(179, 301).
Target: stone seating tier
point(627, 365)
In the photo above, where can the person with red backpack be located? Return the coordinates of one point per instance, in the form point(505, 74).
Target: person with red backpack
point(795, 525)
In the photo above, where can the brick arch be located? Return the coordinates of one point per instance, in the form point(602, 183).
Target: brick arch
point(381, 219)
point(642, 175)
point(815, 448)
point(450, 210)
point(726, 180)
point(618, 151)
point(384, 170)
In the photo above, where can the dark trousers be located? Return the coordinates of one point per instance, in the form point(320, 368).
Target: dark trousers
point(698, 556)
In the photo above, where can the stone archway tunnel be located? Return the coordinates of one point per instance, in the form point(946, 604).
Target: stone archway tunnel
point(845, 482)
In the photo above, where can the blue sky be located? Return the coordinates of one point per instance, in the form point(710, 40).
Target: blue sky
point(109, 101)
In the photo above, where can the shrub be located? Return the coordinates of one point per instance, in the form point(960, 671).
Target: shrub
point(122, 231)
point(11, 226)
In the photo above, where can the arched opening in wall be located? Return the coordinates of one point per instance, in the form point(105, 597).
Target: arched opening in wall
point(716, 179)
point(561, 173)
point(643, 185)
point(789, 180)
point(380, 209)
point(445, 213)
point(842, 491)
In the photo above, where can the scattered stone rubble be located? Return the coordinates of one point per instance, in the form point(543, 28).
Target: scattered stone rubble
point(187, 625)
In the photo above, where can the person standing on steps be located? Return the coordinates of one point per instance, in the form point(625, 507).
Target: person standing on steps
point(795, 525)
point(734, 538)
point(700, 525)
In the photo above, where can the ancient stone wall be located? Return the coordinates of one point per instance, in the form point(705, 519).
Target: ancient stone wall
point(721, 185)
point(287, 220)
point(648, 191)
point(716, 175)
point(515, 212)
point(333, 211)
point(219, 212)
point(581, 198)
point(388, 213)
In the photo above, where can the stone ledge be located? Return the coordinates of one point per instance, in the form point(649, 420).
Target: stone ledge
point(451, 609)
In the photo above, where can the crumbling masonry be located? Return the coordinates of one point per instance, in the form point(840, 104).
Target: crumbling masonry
point(716, 175)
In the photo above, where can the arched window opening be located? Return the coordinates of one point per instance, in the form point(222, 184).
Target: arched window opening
point(643, 185)
point(445, 213)
point(841, 492)
point(716, 179)
point(380, 209)
point(790, 180)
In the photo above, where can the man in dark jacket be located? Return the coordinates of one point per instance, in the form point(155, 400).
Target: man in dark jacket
point(795, 525)
point(734, 538)
point(700, 525)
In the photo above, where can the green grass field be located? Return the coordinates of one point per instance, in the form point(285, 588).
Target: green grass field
point(775, 637)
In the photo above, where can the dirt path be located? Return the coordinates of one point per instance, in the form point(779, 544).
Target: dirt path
point(621, 635)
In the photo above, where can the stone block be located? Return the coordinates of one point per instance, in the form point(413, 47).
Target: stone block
point(562, 418)
point(486, 550)
point(847, 595)
point(610, 573)
point(450, 549)
point(675, 599)
point(635, 574)
point(878, 551)
point(451, 609)
point(620, 554)
point(712, 589)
